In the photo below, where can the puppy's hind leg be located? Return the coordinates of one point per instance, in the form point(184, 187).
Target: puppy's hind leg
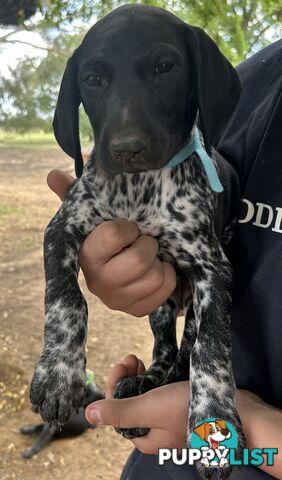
point(47, 433)
point(179, 371)
point(30, 429)
point(212, 385)
point(162, 323)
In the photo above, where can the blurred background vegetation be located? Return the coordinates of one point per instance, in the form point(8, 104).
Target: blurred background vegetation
point(28, 89)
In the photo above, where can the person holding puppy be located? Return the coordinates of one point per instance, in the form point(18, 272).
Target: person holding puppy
point(252, 143)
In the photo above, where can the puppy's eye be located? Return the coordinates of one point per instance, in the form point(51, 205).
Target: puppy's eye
point(163, 67)
point(93, 80)
point(211, 430)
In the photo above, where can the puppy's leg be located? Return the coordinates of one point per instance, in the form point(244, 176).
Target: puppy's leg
point(179, 371)
point(162, 322)
point(212, 385)
point(46, 434)
point(30, 429)
point(58, 384)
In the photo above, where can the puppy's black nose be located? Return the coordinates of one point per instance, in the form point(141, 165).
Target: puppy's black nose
point(225, 431)
point(127, 149)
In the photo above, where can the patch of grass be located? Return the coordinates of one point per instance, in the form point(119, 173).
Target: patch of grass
point(7, 209)
point(33, 140)
point(27, 140)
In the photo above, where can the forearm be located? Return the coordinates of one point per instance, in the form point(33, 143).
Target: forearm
point(263, 426)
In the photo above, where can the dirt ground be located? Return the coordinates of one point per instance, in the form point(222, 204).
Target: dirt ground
point(26, 205)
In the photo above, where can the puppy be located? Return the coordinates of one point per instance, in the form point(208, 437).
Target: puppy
point(146, 79)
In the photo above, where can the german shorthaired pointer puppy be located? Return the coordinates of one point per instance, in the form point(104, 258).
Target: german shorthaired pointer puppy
point(145, 79)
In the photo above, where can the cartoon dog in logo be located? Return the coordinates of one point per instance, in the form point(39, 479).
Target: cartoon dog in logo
point(213, 432)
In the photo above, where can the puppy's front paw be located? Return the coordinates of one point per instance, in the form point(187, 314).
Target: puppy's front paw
point(131, 387)
point(56, 389)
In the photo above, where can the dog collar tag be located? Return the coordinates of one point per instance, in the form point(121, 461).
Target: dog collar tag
point(195, 146)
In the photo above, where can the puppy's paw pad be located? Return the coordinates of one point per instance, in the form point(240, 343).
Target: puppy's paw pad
point(130, 433)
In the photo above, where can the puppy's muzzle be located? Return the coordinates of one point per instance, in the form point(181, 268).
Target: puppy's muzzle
point(129, 152)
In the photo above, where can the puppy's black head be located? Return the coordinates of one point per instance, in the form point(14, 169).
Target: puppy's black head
point(142, 75)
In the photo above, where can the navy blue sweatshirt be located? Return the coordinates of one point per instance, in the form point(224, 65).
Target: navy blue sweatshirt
point(252, 142)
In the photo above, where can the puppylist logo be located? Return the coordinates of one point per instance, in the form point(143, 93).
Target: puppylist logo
point(214, 442)
point(214, 438)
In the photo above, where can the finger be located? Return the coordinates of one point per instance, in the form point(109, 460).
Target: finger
point(142, 296)
point(130, 366)
point(132, 263)
point(155, 439)
point(118, 372)
point(141, 367)
point(60, 182)
point(127, 368)
point(105, 241)
point(152, 301)
point(146, 285)
point(122, 298)
point(131, 362)
point(163, 408)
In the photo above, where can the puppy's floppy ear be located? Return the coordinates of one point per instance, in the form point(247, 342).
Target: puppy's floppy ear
point(216, 83)
point(200, 430)
point(66, 119)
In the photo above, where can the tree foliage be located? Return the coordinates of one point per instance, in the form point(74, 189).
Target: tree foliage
point(29, 94)
point(240, 27)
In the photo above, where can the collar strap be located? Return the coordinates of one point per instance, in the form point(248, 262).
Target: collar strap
point(195, 146)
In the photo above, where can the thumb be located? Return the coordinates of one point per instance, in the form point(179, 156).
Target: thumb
point(150, 410)
point(123, 413)
point(60, 182)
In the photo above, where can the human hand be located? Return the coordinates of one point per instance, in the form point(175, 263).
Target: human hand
point(121, 266)
point(164, 410)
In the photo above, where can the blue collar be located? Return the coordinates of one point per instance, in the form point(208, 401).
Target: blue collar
point(195, 146)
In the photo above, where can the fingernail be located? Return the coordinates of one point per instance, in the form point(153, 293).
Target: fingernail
point(94, 415)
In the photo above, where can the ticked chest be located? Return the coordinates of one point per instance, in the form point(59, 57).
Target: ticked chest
point(155, 201)
point(173, 205)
